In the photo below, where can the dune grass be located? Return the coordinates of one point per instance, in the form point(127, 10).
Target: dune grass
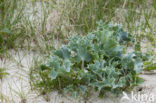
point(11, 30)
point(40, 23)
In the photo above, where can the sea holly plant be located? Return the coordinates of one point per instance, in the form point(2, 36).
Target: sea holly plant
point(97, 61)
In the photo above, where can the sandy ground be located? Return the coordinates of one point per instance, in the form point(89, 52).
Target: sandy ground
point(15, 88)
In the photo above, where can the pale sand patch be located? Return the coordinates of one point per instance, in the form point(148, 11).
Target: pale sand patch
point(16, 84)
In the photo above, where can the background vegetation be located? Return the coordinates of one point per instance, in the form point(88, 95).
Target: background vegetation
point(41, 22)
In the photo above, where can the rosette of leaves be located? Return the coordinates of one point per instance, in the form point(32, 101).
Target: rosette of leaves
point(95, 61)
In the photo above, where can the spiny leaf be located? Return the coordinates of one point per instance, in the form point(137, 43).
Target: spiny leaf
point(67, 65)
point(82, 89)
point(83, 54)
point(53, 74)
point(138, 65)
point(75, 94)
point(63, 53)
point(54, 62)
point(121, 82)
